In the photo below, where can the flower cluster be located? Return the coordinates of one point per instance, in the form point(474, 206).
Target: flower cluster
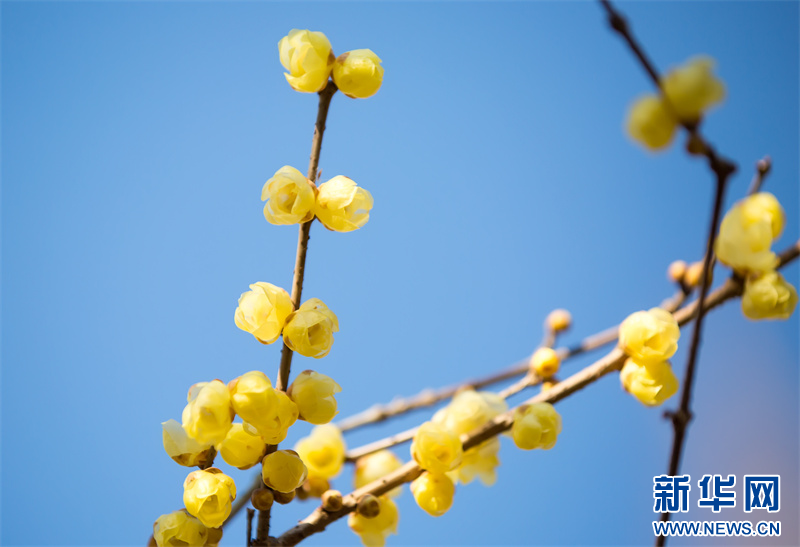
point(309, 59)
point(649, 338)
point(687, 92)
point(339, 204)
point(744, 243)
point(265, 311)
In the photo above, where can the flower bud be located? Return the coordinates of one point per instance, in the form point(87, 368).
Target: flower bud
point(308, 57)
point(676, 271)
point(470, 410)
point(342, 206)
point(373, 531)
point(313, 393)
point(649, 336)
point(309, 330)
point(283, 471)
point(262, 499)
point(746, 234)
point(545, 362)
point(322, 451)
point(358, 73)
point(436, 448)
point(768, 297)
point(332, 500)
point(692, 88)
point(263, 311)
point(241, 449)
point(434, 493)
point(208, 416)
point(479, 461)
point(651, 384)
point(558, 320)
point(182, 448)
point(284, 497)
point(374, 466)
point(290, 197)
point(368, 506)
point(694, 272)
point(650, 122)
point(207, 495)
point(179, 528)
point(536, 426)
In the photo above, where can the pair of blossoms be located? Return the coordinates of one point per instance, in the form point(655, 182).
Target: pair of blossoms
point(686, 93)
point(308, 56)
point(207, 425)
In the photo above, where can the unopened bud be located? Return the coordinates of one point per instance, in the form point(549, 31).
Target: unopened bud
point(677, 270)
point(332, 500)
point(284, 498)
point(558, 320)
point(368, 506)
point(550, 384)
point(262, 499)
point(693, 274)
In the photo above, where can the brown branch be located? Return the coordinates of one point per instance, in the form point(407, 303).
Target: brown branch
point(763, 167)
point(250, 513)
point(319, 518)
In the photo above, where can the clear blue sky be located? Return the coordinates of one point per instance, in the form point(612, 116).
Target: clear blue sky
point(135, 141)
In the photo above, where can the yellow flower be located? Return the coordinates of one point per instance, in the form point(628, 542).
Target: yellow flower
point(313, 393)
point(322, 451)
point(649, 336)
point(179, 528)
point(358, 73)
point(182, 448)
point(375, 466)
point(692, 88)
point(309, 59)
point(309, 330)
point(558, 320)
point(650, 123)
point(677, 271)
point(241, 449)
point(479, 461)
point(208, 416)
point(436, 448)
point(207, 495)
point(373, 531)
point(545, 362)
point(470, 410)
point(290, 197)
point(283, 471)
point(746, 234)
point(263, 310)
point(768, 297)
point(434, 493)
point(652, 384)
point(266, 411)
point(536, 426)
point(694, 273)
point(342, 206)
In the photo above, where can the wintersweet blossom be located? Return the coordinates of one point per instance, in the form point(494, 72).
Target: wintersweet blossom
point(649, 336)
point(241, 449)
point(374, 466)
point(309, 330)
point(545, 362)
point(342, 205)
point(283, 471)
point(207, 494)
point(536, 426)
point(651, 383)
point(289, 196)
point(313, 393)
point(373, 531)
point(479, 461)
point(558, 320)
point(208, 415)
point(650, 122)
point(768, 296)
point(308, 57)
point(436, 448)
point(434, 493)
point(179, 529)
point(693, 88)
point(182, 448)
point(358, 73)
point(746, 234)
point(262, 311)
point(322, 451)
point(470, 410)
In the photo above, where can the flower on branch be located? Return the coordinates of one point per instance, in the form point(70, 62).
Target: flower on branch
point(179, 528)
point(207, 494)
point(768, 296)
point(289, 196)
point(373, 531)
point(322, 451)
point(651, 383)
point(649, 336)
point(263, 310)
point(434, 493)
point(308, 57)
point(536, 426)
point(283, 471)
point(313, 393)
point(241, 449)
point(209, 415)
point(343, 206)
point(358, 73)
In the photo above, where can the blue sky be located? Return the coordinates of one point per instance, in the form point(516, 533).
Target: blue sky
point(135, 141)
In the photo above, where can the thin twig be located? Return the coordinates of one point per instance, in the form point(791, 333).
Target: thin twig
point(319, 518)
point(763, 167)
point(250, 513)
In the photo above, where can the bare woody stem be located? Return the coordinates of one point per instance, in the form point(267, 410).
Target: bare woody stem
point(325, 97)
point(763, 167)
point(319, 519)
